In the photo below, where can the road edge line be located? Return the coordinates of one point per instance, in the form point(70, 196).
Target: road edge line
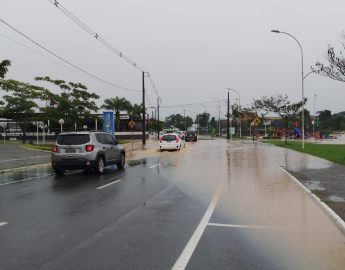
point(337, 220)
point(188, 250)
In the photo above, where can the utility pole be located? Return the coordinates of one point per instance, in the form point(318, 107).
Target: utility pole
point(144, 112)
point(158, 125)
point(228, 119)
point(314, 122)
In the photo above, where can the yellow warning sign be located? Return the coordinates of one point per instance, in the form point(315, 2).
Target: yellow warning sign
point(131, 124)
point(256, 122)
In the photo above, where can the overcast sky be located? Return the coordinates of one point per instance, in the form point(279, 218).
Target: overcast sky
point(194, 49)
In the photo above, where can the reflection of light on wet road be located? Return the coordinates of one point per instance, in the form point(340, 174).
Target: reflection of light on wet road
point(3, 223)
point(25, 174)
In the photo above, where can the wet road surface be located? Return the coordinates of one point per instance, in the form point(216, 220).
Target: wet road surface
point(13, 156)
point(213, 205)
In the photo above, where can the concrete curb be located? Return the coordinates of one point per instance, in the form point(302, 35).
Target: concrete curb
point(333, 215)
point(38, 150)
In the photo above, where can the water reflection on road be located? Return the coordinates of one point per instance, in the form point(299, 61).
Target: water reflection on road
point(25, 174)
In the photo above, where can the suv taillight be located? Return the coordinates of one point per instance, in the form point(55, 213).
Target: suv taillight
point(89, 147)
point(54, 149)
point(177, 139)
point(161, 140)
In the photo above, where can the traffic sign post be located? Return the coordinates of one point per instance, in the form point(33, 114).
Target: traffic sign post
point(131, 124)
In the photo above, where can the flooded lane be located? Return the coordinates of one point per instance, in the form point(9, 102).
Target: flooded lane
point(263, 219)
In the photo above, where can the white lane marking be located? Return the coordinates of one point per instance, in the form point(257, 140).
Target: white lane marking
point(243, 226)
point(15, 159)
point(3, 223)
point(154, 166)
point(188, 251)
point(109, 184)
point(25, 167)
point(26, 179)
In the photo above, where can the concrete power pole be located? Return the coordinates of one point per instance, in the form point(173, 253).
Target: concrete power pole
point(228, 119)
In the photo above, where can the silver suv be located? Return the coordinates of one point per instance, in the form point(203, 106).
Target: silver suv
point(86, 150)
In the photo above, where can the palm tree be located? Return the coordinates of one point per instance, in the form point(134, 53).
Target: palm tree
point(117, 104)
point(136, 111)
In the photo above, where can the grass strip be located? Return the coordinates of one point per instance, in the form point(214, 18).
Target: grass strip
point(332, 152)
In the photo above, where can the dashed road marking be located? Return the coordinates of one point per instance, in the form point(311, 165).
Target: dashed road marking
point(154, 166)
point(188, 251)
point(109, 184)
point(3, 223)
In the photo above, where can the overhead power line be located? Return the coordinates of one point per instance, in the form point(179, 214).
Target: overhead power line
point(94, 34)
point(68, 62)
point(98, 37)
point(188, 104)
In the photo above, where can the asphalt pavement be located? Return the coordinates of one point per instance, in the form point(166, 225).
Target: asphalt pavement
point(212, 205)
point(14, 156)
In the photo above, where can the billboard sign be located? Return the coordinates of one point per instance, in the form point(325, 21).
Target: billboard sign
point(109, 123)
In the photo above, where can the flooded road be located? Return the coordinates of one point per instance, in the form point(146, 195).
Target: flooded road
point(212, 205)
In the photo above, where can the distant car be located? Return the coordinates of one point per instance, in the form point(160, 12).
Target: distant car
point(191, 136)
point(170, 141)
point(86, 150)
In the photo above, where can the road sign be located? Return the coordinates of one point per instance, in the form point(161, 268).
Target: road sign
point(108, 122)
point(131, 124)
point(256, 122)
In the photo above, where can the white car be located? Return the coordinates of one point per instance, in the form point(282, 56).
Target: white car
point(170, 141)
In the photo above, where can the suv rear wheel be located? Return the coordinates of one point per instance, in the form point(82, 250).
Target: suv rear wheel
point(100, 165)
point(121, 163)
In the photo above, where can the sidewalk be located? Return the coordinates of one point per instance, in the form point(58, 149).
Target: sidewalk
point(327, 183)
point(323, 178)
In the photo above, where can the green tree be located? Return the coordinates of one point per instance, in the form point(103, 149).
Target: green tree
point(336, 68)
point(20, 105)
point(135, 111)
point(117, 104)
point(175, 120)
point(202, 119)
point(281, 106)
point(74, 104)
point(325, 118)
point(4, 68)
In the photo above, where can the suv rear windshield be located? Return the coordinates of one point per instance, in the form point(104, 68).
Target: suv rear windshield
point(73, 139)
point(169, 138)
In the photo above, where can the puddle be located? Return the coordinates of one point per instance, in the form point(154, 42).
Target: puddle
point(335, 198)
point(314, 185)
point(16, 175)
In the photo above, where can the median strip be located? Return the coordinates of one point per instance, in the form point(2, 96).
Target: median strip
point(109, 184)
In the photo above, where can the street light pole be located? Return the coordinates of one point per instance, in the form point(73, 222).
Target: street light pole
point(314, 114)
point(239, 103)
point(228, 119)
point(219, 104)
point(300, 46)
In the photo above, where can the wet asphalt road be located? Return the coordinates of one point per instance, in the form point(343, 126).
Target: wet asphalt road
point(12, 156)
point(213, 205)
